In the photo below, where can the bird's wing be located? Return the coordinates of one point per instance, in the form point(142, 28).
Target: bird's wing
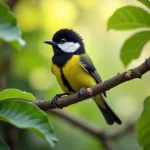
point(87, 64)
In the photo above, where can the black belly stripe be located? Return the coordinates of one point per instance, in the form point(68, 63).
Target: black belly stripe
point(65, 81)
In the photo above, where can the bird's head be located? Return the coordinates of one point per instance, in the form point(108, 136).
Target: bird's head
point(66, 41)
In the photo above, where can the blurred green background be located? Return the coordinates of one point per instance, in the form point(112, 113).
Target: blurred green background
point(29, 69)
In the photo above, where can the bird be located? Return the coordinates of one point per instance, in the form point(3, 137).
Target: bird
point(74, 69)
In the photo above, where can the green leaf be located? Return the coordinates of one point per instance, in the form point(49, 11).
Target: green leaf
point(3, 145)
point(129, 17)
point(145, 2)
point(133, 46)
point(25, 115)
point(143, 126)
point(15, 93)
point(9, 31)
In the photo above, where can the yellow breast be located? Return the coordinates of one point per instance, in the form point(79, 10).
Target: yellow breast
point(56, 72)
point(75, 75)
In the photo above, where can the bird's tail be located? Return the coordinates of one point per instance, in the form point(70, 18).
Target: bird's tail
point(107, 112)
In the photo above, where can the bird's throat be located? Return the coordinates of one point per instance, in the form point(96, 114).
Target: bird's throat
point(61, 60)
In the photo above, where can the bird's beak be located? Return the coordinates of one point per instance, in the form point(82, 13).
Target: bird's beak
point(51, 43)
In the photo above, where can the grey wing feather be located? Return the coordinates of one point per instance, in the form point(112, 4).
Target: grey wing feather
point(96, 76)
point(87, 65)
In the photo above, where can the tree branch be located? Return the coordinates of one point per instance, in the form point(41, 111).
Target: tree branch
point(97, 89)
point(122, 132)
point(84, 125)
point(104, 136)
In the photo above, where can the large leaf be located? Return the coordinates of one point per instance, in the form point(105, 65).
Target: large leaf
point(133, 46)
point(15, 93)
point(129, 17)
point(27, 116)
point(3, 145)
point(9, 31)
point(145, 2)
point(143, 126)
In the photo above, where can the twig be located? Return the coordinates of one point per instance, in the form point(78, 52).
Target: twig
point(97, 89)
point(84, 125)
point(105, 137)
point(122, 132)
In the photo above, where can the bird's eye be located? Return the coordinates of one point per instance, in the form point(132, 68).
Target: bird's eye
point(62, 40)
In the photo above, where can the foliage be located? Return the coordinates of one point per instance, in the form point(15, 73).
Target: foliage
point(142, 126)
point(25, 115)
point(3, 145)
point(9, 31)
point(133, 46)
point(145, 2)
point(131, 17)
point(11, 93)
point(30, 69)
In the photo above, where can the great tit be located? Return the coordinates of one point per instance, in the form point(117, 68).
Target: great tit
point(74, 69)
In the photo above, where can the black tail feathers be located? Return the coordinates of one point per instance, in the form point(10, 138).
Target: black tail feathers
point(109, 114)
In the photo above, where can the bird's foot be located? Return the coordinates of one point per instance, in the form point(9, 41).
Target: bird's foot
point(81, 93)
point(54, 100)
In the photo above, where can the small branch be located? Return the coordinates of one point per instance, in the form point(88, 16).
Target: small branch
point(84, 125)
point(97, 89)
point(122, 132)
point(104, 136)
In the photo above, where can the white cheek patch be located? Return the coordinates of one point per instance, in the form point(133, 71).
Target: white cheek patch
point(69, 47)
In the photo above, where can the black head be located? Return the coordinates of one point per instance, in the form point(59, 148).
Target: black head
point(67, 41)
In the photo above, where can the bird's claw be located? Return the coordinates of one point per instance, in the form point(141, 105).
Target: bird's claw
point(82, 92)
point(54, 100)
